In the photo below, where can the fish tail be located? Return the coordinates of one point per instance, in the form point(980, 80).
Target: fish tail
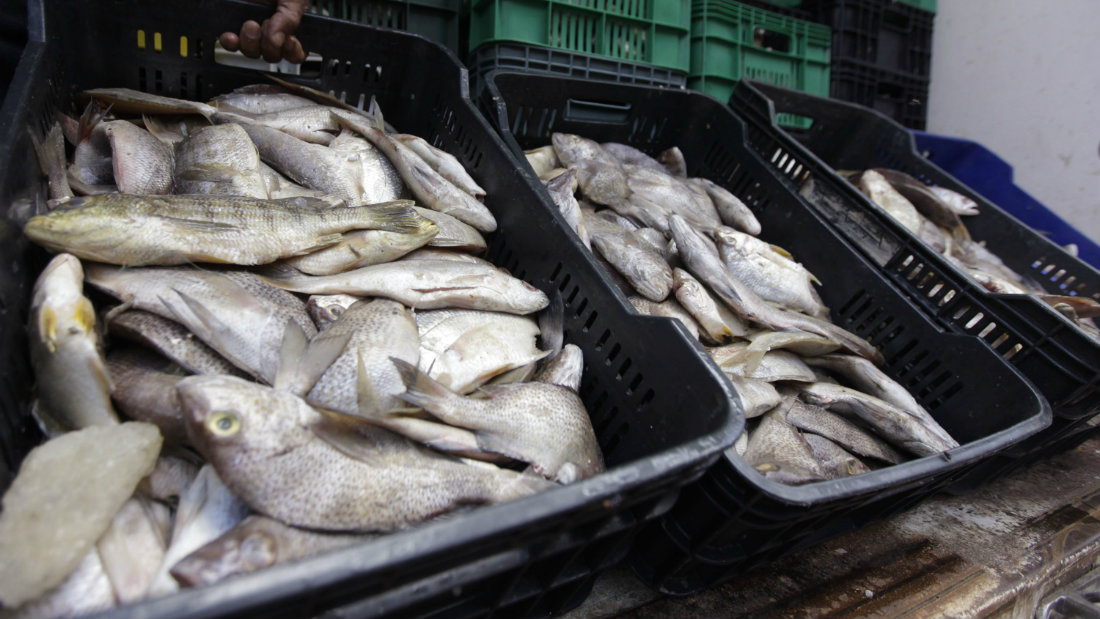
point(398, 217)
point(420, 389)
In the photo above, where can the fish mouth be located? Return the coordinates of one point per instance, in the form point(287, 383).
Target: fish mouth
point(195, 403)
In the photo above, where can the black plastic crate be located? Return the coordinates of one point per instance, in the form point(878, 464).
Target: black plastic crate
point(436, 19)
point(515, 56)
point(901, 97)
point(885, 34)
point(532, 557)
point(1056, 355)
point(733, 519)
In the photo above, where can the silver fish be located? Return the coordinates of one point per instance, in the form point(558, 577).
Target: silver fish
point(172, 340)
point(312, 123)
point(378, 329)
point(65, 350)
point(207, 510)
point(443, 162)
point(255, 543)
point(423, 284)
point(770, 272)
point(668, 308)
point(379, 179)
point(453, 234)
point(92, 160)
point(543, 424)
point(129, 101)
point(325, 309)
point(290, 463)
point(565, 368)
point(429, 187)
point(561, 190)
point(701, 257)
point(312, 165)
point(733, 212)
point(882, 193)
point(772, 366)
point(674, 162)
point(715, 320)
point(51, 158)
point(234, 312)
point(956, 201)
point(757, 396)
point(636, 260)
point(894, 424)
point(778, 451)
point(542, 160)
point(219, 160)
point(602, 177)
point(655, 191)
point(863, 375)
point(817, 420)
point(165, 230)
point(627, 154)
point(145, 390)
point(142, 163)
point(834, 459)
point(260, 99)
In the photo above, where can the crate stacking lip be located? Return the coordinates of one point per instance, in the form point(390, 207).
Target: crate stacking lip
point(649, 31)
point(732, 40)
point(733, 518)
point(532, 557)
point(1060, 358)
point(437, 20)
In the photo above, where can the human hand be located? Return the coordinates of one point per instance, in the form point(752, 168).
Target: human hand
point(274, 40)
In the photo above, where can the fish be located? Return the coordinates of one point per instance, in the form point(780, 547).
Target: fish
point(312, 123)
point(806, 345)
point(207, 509)
point(561, 189)
point(669, 308)
point(542, 160)
point(926, 201)
point(897, 426)
point(673, 160)
point(778, 451)
point(882, 193)
point(74, 385)
point(311, 165)
point(817, 420)
point(234, 312)
point(172, 340)
point(219, 160)
point(289, 462)
point(834, 459)
point(627, 154)
point(427, 185)
point(63, 498)
point(448, 166)
point(377, 329)
point(379, 179)
point(145, 390)
point(92, 165)
point(602, 178)
point(50, 152)
point(635, 259)
point(132, 548)
point(566, 368)
point(255, 543)
point(170, 230)
point(732, 211)
point(325, 309)
point(260, 99)
point(422, 284)
point(660, 194)
point(129, 101)
point(774, 366)
point(142, 163)
point(701, 257)
point(770, 272)
point(453, 234)
point(360, 248)
point(863, 375)
point(172, 475)
point(715, 320)
point(543, 424)
point(464, 349)
point(757, 396)
point(956, 201)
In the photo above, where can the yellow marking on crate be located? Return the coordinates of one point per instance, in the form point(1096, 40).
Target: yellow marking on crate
point(156, 42)
point(183, 46)
point(141, 39)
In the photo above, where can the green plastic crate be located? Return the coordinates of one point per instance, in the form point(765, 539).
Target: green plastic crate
point(650, 31)
point(434, 19)
point(731, 40)
point(924, 5)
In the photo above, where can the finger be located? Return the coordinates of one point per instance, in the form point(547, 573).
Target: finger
point(250, 39)
point(293, 51)
point(230, 41)
point(271, 43)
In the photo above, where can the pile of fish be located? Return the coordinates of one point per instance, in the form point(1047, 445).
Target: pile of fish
point(297, 349)
point(817, 406)
point(934, 214)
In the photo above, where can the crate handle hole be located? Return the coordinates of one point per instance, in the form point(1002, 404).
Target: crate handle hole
point(582, 110)
point(771, 40)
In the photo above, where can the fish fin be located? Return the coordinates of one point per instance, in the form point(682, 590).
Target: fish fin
point(290, 353)
point(47, 421)
point(374, 112)
point(397, 217)
point(200, 226)
point(420, 389)
point(754, 354)
point(209, 322)
point(344, 434)
point(47, 328)
point(552, 324)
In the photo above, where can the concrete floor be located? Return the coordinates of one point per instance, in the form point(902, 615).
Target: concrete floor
point(996, 552)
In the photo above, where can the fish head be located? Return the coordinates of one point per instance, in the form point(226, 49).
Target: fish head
point(326, 309)
point(230, 419)
point(58, 306)
point(241, 550)
point(71, 219)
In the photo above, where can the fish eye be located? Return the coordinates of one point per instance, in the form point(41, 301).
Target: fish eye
point(224, 423)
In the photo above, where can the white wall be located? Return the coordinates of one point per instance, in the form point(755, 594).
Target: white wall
point(1022, 77)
